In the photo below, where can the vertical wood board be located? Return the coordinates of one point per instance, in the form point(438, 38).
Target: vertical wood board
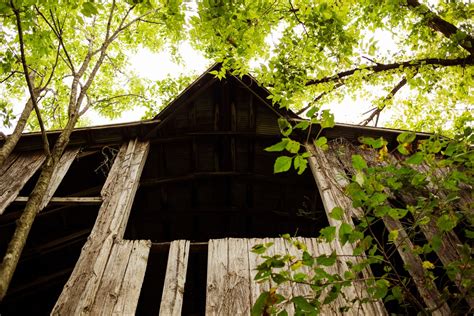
point(80, 291)
point(127, 300)
point(175, 279)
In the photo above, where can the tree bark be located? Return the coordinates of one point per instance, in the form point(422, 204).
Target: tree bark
point(12, 139)
point(25, 222)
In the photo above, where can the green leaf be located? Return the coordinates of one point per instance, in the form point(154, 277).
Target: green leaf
point(325, 260)
point(337, 213)
point(393, 235)
point(278, 146)
point(282, 164)
point(300, 163)
point(328, 233)
point(299, 277)
point(308, 259)
point(301, 304)
point(259, 307)
point(358, 162)
point(446, 222)
point(402, 150)
point(415, 159)
point(345, 231)
point(311, 112)
point(303, 125)
point(285, 127)
point(89, 9)
point(327, 119)
point(278, 278)
point(397, 213)
point(406, 137)
point(293, 146)
point(374, 143)
point(321, 142)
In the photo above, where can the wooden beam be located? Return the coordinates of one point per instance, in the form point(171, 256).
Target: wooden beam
point(175, 279)
point(158, 247)
point(244, 175)
point(37, 283)
point(55, 244)
point(72, 200)
point(212, 134)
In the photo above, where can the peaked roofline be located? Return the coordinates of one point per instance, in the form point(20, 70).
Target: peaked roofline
point(207, 79)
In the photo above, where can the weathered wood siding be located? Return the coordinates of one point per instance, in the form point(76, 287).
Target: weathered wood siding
point(330, 180)
point(20, 167)
point(16, 171)
point(328, 166)
point(98, 272)
point(175, 279)
point(231, 289)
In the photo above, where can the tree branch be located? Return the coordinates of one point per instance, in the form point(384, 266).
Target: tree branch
point(10, 75)
point(297, 17)
point(378, 110)
point(28, 80)
point(440, 25)
point(58, 33)
point(386, 67)
point(319, 97)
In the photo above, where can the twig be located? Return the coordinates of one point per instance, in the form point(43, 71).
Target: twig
point(376, 111)
point(319, 97)
point(297, 18)
point(10, 75)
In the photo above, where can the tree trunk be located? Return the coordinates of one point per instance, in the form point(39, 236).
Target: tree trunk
point(12, 139)
point(25, 222)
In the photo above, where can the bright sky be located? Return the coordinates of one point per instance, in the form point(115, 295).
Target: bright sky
point(160, 66)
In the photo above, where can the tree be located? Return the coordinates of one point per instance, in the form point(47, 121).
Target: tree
point(327, 50)
point(70, 56)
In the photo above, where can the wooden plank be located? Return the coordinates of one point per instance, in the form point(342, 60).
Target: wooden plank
point(127, 300)
point(80, 291)
point(238, 278)
point(285, 289)
point(16, 176)
point(8, 162)
point(59, 172)
point(111, 281)
point(173, 288)
point(256, 288)
point(73, 200)
point(216, 270)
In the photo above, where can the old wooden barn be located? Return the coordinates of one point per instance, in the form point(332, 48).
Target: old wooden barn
point(159, 216)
